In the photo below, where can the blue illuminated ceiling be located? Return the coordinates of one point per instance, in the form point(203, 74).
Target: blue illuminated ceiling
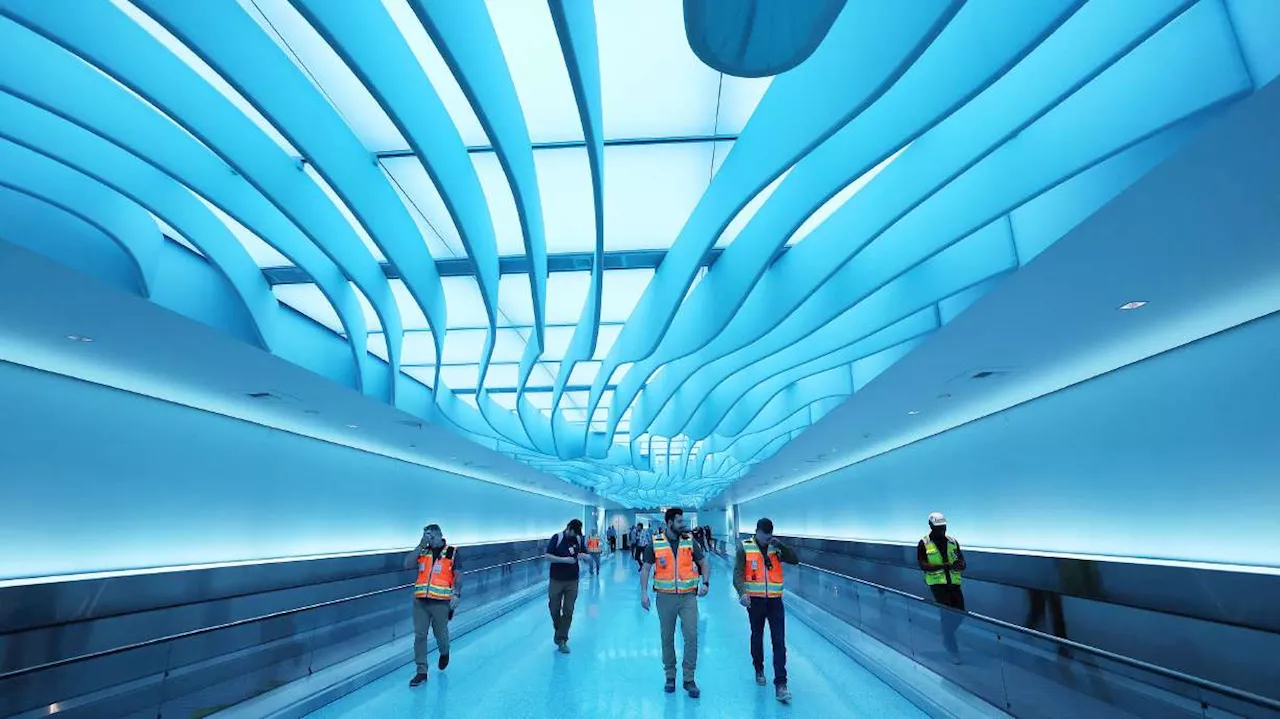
point(605, 258)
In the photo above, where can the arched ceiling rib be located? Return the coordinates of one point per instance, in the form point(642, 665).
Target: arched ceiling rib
point(603, 257)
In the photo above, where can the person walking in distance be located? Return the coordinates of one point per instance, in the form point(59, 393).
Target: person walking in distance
point(942, 561)
point(641, 542)
point(611, 534)
point(593, 552)
point(436, 592)
point(564, 551)
point(758, 579)
point(680, 575)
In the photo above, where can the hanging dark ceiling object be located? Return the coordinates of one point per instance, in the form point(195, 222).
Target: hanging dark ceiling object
point(757, 38)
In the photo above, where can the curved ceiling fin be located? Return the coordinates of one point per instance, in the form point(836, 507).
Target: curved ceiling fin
point(869, 47)
point(951, 149)
point(230, 41)
point(575, 24)
point(464, 33)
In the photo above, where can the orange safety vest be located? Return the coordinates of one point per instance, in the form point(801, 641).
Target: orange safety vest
point(674, 571)
point(761, 581)
point(435, 576)
point(593, 545)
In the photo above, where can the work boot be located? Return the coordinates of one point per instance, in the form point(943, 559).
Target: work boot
point(784, 694)
point(692, 688)
point(760, 677)
point(444, 661)
point(417, 679)
point(670, 687)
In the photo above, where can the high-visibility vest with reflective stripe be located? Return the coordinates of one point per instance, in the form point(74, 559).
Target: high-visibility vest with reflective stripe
point(934, 556)
point(673, 571)
point(593, 545)
point(761, 580)
point(435, 576)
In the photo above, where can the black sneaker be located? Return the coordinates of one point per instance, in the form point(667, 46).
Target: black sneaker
point(417, 679)
point(784, 694)
point(444, 661)
point(670, 688)
point(692, 688)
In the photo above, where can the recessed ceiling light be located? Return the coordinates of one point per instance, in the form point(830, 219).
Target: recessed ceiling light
point(353, 426)
point(1133, 305)
point(79, 338)
point(914, 411)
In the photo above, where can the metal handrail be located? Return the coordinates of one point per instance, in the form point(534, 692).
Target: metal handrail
point(1118, 658)
point(237, 623)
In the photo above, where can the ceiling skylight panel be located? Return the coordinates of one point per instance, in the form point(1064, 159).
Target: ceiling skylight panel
point(419, 348)
point(207, 73)
point(502, 204)
point(330, 74)
point(263, 255)
point(515, 298)
point(529, 42)
point(411, 315)
point(425, 375)
point(566, 294)
point(622, 291)
point(604, 340)
point(310, 301)
point(502, 376)
point(438, 72)
point(346, 212)
point(467, 346)
point(652, 85)
point(650, 191)
point(556, 343)
point(568, 205)
point(584, 373)
point(421, 198)
point(837, 201)
point(457, 377)
point(739, 97)
point(541, 400)
point(506, 400)
point(746, 213)
point(466, 304)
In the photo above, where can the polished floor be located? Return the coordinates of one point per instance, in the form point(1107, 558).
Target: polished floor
point(510, 669)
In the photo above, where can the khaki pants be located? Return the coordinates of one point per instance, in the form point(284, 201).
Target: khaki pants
point(429, 615)
point(685, 608)
point(562, 594)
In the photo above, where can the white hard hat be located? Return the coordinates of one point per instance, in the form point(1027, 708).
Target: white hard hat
point(936, 519)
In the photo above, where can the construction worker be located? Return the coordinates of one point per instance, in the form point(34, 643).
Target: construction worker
point(593, 551)
point(680, 575)
point(436, 592)
point(758, 579)
point(942, 561)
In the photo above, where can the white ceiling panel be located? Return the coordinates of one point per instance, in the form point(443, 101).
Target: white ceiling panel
point(532, 49)
point(652, 83)
point(650, 191)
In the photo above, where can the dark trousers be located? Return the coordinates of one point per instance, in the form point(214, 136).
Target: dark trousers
point(769, 609)
point(638, 553)
point(562, 594)
point(613, 543)
point(949, 595)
